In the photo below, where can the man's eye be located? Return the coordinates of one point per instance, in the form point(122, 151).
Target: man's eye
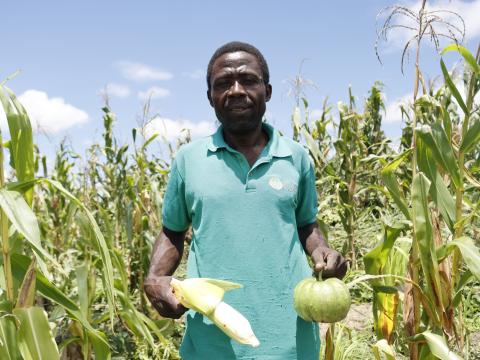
point(221, 84)
point(250, 81)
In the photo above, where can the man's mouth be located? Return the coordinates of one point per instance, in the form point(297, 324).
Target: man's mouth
point(238, 107)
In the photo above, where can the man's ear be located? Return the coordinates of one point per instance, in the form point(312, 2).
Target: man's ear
point(268, 92)
point(209, 96)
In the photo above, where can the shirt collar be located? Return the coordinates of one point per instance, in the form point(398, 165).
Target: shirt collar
point(276, 145)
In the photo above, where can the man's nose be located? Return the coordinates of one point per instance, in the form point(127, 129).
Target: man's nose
point(236, 89)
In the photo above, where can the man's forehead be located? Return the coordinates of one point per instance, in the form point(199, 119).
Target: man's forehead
point(236, 61)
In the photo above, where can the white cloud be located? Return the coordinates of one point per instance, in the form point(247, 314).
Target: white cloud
point(154, 92)
point(468, 10)
point(141, 72)
point(50, 115)
point(117, 90)
point(173, 129)
point(197, 74)
point(392, 109)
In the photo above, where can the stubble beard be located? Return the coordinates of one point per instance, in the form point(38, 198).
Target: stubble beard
point(241, 126)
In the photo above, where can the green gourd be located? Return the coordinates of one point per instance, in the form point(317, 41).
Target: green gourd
point(325, 301)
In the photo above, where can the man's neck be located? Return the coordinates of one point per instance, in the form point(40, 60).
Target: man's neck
point(249, 144)
point(248, 141)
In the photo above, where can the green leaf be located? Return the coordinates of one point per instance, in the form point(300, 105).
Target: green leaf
point(136, 321)
point(453, 88)
point(153, 137)
point(25, 222)
point(438, 190)
point(437, 345)
point(376, 259)
point(82, 285)
point(470, 254)
point(20, 264)
point(21, 142)
point(101, 244)
point(390, 180)
point(385, 298)
point(469, 58)
point(8, 339)
point(472, 137)
point(424, 240)
point(466, 278)
point(130, 316)
point(436, 140)
point(34, 335)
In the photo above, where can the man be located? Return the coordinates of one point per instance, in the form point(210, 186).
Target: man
point(249, 195)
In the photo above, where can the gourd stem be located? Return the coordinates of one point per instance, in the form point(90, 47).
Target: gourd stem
point(318, 275)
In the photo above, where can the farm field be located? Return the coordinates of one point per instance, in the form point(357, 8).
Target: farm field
point(77, 236)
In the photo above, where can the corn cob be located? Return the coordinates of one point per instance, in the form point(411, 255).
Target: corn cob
point(205, 296)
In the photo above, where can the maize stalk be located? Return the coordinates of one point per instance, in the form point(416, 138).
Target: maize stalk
point(205, 296)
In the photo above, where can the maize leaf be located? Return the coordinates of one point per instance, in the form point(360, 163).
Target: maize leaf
point(470, 253)
point(471, 138)
point(423, 239)
point(99, 240)
point(34, 334)
point(25, 222)
point(21, 140)
point(391, 183)
point(384, 304)
point(9, 339)
point(20, 264)
point(438, 190)
point(437, 345)
point(453, 88)
point(436, 141)
point(469, 58)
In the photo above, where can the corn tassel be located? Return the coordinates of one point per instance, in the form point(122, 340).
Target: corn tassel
point(205, 296)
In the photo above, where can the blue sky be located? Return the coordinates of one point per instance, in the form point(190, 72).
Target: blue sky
point(70, 51)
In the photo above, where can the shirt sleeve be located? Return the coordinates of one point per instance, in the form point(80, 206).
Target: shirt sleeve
point(175, 215)
point(306, 210)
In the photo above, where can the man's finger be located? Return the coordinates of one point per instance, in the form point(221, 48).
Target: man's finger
point(320, 264)
point(342, 269)
point(331, 264)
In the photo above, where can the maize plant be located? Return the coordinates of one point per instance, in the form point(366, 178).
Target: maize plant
point(439, 207)
point(67, 228)
point(27, 266)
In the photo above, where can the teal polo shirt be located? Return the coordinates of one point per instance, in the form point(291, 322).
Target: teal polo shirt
point(244, 221)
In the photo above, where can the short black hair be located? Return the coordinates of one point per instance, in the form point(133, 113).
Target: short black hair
point(235, 46)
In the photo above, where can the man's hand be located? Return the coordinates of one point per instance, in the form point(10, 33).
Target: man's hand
point(329, 261)
point(159, 292)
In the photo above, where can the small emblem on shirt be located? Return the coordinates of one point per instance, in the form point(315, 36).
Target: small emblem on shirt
point(275, 183)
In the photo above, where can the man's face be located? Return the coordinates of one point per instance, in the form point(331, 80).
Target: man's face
point(238, 92)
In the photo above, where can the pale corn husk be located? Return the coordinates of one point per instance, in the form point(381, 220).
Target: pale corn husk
point(234, 324)
point(205, 296)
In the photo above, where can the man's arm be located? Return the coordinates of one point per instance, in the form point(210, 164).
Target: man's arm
point(329, 261)
point(166, 256)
